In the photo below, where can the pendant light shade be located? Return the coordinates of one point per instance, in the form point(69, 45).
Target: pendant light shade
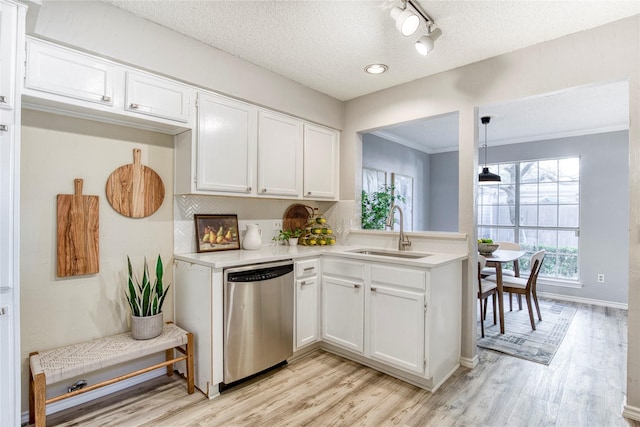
point(485, 175)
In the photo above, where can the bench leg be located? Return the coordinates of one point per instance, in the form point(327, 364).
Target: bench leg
point(37, 400)
point(190, 377)
point(169, 355)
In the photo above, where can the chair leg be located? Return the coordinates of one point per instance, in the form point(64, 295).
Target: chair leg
point(519, 302)
point(486, 300)
point(535, 300)
point(510, 302)
point(495, 310)
point(533, 324)
point(481, 319)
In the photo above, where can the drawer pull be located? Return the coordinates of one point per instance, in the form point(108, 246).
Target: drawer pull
point(357, 286)
point(3, 99)
point(308, 269)
point(374, 290)
point(305, 283)
point(106, 98)
point(4, 128)
point(134, 106)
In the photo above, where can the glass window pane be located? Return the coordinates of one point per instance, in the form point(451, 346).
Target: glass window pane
point(548, 240)
point(548, 193)
point(529, 240)
point(549, 265)
point(569, 169)
point(568, 216)
point(507, 172)
point(529, 194)
point(568, 266)
point(569, 192)
point(506, 215)
point(488, 195)
point(568, 242)
point(548, 216)
point(507, 195)
point(528, 172)
point(548, 170)
point(505, 235)
point(529, 215)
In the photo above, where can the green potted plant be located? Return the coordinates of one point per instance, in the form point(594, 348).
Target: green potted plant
point(289, 236)
point(145, 300)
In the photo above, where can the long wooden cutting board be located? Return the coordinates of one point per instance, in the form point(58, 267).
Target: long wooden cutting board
point(135, 190)
point(78, 233)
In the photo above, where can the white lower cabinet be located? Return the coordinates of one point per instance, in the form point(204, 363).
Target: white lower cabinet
point(342, 313)
point(307, 299)
point(396, 327)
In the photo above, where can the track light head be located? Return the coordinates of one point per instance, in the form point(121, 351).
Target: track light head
point(424, 45)
point(407, 22)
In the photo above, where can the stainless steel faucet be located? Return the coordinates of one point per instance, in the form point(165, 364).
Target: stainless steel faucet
point(403, 241)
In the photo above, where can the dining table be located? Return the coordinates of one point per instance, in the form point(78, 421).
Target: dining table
point(496, 259)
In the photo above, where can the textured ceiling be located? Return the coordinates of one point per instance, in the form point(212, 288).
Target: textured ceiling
point(325, 45)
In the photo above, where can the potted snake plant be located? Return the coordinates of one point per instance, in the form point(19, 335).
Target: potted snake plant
point(145, 300)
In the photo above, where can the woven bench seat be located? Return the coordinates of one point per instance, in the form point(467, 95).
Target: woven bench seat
point(59, 364)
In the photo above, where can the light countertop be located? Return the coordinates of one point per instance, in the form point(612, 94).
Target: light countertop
point(234, 258)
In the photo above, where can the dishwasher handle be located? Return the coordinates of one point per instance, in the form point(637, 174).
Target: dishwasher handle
point(258, 274)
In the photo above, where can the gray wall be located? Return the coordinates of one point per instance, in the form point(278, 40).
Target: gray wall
point(443, 194)
point(379, 153)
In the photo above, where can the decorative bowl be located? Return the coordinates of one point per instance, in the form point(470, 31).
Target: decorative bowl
point(487, 248)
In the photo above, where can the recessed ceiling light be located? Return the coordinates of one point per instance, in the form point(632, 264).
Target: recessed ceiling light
point(376, 68)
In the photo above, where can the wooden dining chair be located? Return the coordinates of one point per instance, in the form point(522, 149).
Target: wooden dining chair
point(527, 287)
point(488, 271)
point(486, 289)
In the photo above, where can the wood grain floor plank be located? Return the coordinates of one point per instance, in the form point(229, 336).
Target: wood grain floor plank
point(583, 386)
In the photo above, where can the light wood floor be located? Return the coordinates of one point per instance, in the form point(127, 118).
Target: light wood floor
point(583, 386)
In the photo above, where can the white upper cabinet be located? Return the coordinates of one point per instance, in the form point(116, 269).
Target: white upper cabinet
point(8, 29)
point(279, 154)
point(320, 162)
point(226, 145)
point(65, 72)
point(59, 79)
point(157, 97)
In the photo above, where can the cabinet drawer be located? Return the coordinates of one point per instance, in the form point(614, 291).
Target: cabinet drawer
point(307, 268)
point(404, 277)
point(354, 270)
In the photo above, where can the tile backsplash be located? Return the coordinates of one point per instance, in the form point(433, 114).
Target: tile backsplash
point(249, 210)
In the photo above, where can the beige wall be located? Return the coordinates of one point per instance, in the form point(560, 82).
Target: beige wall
point(607, 53)
point(55, 150)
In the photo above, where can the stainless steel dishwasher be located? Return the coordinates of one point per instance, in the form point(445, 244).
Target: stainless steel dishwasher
point(258, 318)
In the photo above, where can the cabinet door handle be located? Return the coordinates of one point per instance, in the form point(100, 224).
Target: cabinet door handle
point(4, 128)
point(305, 283)
point(248, 189)
point(308, 193)
point(3, 99)
point(133, 106)
point(264, 190)
point(374, 290)
point(106, 98)
point(357, 286)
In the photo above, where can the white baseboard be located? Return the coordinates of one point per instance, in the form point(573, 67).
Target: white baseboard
point(61, 405)
point(581, 300)
point(469, 363)
point(631, 412)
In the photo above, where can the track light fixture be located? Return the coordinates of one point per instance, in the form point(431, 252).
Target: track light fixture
point(408, 20)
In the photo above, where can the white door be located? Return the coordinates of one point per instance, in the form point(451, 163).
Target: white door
point(157, 97)
point(63, 72)
point(320, 162)
point(343, 313)
point(226, 145)
point(279, 155)
point(307, 330)
point(8, 20)
point(396, 328)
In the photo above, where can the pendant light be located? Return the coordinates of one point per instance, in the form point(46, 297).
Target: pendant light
point(485, 175)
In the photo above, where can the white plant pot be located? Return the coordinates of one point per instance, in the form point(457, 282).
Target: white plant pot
point(145, 328)
point(293, 241)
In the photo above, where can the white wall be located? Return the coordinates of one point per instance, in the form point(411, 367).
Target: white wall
point(105, 30)
point(55, 150)
point(443, 197)
point(607, 53)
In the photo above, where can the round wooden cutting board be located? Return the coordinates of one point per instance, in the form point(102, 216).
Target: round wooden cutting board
point(135, 190)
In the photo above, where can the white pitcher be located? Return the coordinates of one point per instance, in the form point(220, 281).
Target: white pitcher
point(253, 237)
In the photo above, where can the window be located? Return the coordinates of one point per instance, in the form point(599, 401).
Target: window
point(537, 205)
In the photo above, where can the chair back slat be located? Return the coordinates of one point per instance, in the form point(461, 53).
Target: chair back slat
point(536, 264)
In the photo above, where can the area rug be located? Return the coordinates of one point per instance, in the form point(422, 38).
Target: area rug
point(519, 339)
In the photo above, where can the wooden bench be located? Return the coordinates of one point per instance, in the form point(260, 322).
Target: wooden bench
point(53, 366)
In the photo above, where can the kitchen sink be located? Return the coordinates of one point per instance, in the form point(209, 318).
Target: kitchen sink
point(394, 254)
